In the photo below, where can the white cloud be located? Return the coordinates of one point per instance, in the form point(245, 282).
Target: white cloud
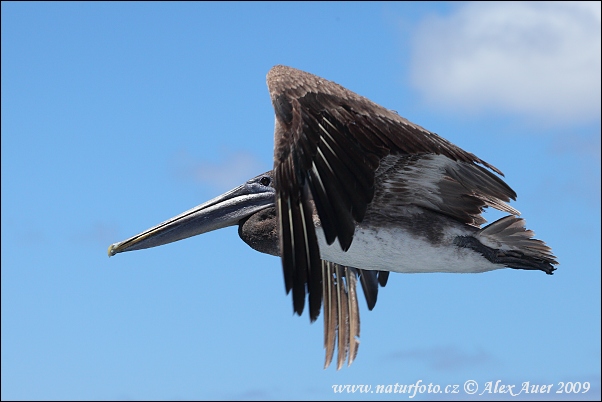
point(539, 60)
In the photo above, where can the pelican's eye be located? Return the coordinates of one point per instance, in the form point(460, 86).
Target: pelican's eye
point(265, 180)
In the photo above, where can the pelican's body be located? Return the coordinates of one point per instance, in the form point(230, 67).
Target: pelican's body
point(357, 192)
point(388, 246)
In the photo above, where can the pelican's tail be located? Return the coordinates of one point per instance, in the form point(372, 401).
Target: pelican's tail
point(507, 241)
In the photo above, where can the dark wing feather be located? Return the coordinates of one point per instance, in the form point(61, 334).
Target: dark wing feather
point(328, 145)
point(383, 277)
point(370, 280)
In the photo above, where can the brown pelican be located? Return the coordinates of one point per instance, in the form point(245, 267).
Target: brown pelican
point(358, 191)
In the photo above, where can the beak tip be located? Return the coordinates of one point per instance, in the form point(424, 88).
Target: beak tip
point(112, 249)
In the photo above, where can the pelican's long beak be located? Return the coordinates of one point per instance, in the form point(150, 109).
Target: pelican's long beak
point(226, 210)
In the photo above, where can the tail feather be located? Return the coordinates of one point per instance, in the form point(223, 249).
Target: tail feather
point(513, 245)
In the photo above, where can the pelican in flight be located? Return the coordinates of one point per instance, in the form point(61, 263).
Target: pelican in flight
point(356, 192)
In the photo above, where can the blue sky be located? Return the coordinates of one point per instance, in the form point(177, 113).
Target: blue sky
point(116, 116)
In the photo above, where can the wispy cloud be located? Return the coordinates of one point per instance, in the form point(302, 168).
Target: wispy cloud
point(539, 60)
point(231, 168)
point(29, 236)
point(446, 358)
point(252, 395)
point(584, 153)
point(97, 233)
point(23, 232)
point(577, 145)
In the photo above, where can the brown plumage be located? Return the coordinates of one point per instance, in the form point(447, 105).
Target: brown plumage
point(393, 195)
point(331, 145)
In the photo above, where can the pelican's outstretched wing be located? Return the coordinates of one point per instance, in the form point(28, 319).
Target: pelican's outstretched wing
point(328, 145)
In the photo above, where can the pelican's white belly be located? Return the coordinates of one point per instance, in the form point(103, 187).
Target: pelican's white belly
point(395, 249)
